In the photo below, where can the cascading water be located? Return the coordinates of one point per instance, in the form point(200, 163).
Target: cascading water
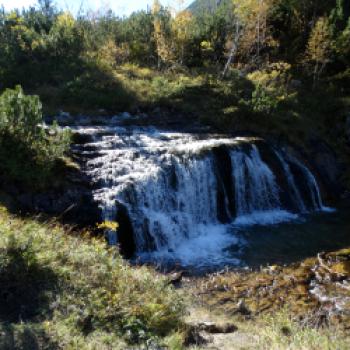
point(184, 194)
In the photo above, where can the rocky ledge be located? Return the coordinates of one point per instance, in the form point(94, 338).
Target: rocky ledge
point(316, 290)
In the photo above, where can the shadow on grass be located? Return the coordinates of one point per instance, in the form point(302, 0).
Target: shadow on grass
point(26, 286)
point(24, 337)
point(93, 89)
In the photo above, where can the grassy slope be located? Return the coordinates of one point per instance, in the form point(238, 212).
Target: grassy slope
point(221, 103)
point(60, 291)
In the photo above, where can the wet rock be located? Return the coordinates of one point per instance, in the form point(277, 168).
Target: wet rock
point(83, 120)
point(295, 84)
point(80, 138)
point(125, 115)
point(64, 118)
point(328, 168)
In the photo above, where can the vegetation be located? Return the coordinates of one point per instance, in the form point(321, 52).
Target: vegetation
point(277, 331)
point(279, 66)
point(273, 288)
point(28, 153)
point(281, 331)
point(301, 306)
point(61, 291)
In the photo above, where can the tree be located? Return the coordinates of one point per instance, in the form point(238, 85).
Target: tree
point(136, 33)
point(251, 35)
point(339, 21)
point(181, 29)
point(161, 24)
point(319, 47)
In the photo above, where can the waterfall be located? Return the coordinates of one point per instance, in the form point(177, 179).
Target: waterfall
point(183, 193)
point(255, 183)
point(294, 190)
point(171, 212)
point(311, 185)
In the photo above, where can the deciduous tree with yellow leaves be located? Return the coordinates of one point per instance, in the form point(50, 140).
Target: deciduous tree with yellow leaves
point(319, 47)
point(162, 34)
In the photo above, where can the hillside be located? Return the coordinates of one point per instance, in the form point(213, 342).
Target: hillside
point(206, 6)
point(60, 290)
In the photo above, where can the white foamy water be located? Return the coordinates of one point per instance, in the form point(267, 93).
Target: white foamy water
point(207, 248)
point(185, 193)
point(268, 217)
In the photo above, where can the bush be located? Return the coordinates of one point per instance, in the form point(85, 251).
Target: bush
point(28, 152)
point(272, 88)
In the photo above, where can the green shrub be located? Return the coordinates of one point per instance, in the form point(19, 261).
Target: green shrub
point(262, 101)
point(272, 88)
point(28, 152)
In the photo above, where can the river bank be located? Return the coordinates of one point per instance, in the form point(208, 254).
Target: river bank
point(304, 305)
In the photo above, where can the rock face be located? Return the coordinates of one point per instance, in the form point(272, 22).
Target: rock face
point(320, 158)
point(70, 202)
point(326, 164)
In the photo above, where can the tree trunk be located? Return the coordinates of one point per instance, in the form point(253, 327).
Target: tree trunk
point(232, 51)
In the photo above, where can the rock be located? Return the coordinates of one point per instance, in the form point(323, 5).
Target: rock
point(125, 115)
point(83, 121)
point(70, 201)
point(295, 84)
point(327, 166)
point(214, 328)
point(175, 278)
point(64, 118)
point(242, 308)
point(80, 138)
point(193, 337)
point(347, 128)
point(115, 120)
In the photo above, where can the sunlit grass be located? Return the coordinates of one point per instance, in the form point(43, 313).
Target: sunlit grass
point(91, 297)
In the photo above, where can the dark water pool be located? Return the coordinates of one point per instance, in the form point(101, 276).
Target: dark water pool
point(296, 240)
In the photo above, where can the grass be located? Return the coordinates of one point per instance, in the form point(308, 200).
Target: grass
point(263, 102)
point(281, 331)
point(61, 291)
point(277, 331)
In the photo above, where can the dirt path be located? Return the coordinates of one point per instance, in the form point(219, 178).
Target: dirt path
point(213, 332)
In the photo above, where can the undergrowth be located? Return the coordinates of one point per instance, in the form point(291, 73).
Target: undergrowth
point(281, 331)
point(61, 291)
